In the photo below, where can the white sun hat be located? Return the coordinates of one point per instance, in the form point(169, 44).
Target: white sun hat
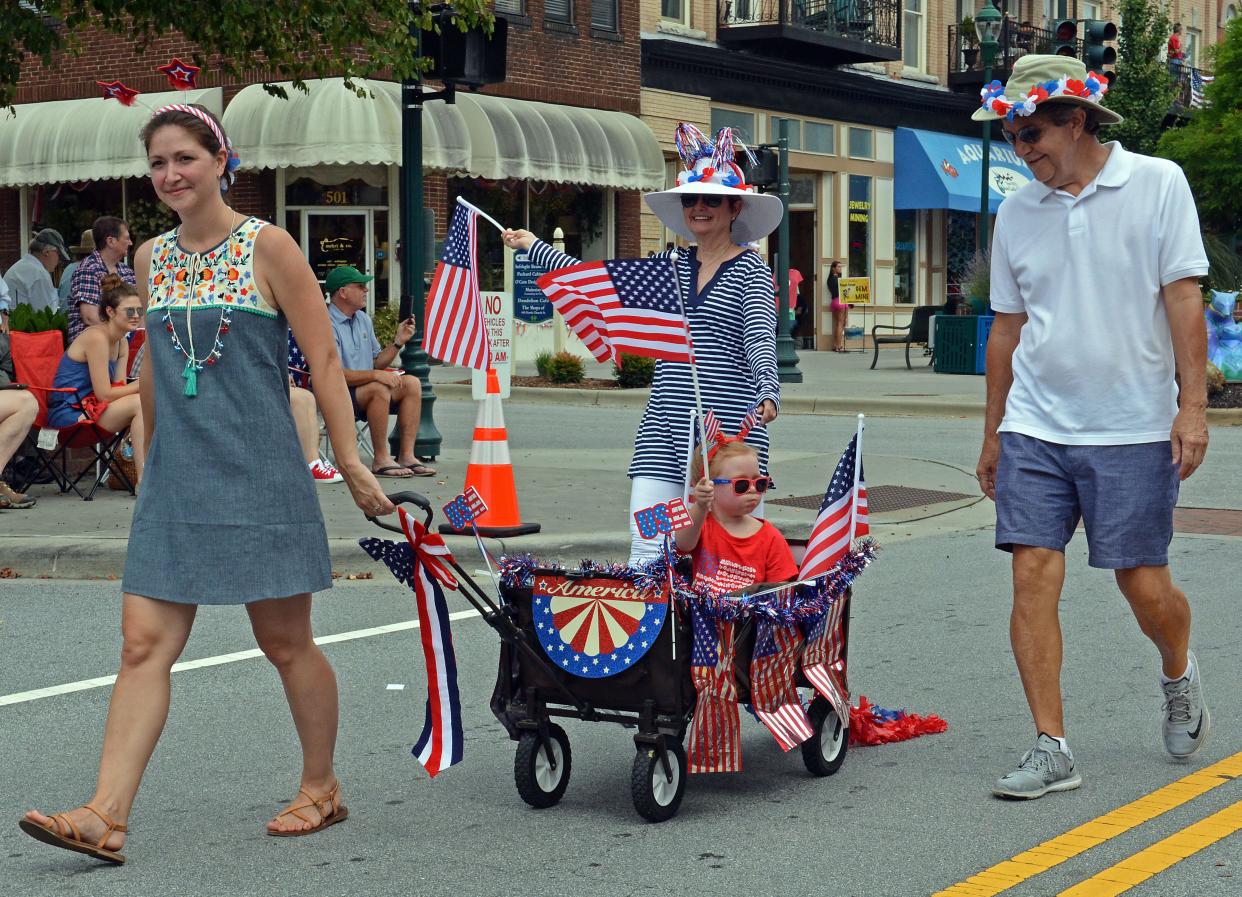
point(711, 170)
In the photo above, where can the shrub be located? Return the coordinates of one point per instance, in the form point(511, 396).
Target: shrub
point(1215, 379)
point(24, 319)
point(385, 321)
point(634, 371)
point(565, 367)
point(542, 360)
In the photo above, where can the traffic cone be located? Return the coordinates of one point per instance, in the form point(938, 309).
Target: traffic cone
point(491, 472)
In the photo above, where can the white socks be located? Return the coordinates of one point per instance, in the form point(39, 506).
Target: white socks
point(1188, 675)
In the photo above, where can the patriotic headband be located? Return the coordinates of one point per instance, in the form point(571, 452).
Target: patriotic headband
point(994, 100)
point(721, 440)
point(234, 160)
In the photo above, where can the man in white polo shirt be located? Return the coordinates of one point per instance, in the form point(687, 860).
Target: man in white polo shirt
point(1095, 282)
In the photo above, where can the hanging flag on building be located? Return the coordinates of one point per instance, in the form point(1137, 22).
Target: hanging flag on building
point(842, 516)
point(1198, 81)
point(455, 331)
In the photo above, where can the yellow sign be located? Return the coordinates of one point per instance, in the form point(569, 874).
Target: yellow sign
point(856, 290)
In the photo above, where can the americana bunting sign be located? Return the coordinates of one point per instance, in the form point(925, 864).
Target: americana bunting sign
point(595, 628)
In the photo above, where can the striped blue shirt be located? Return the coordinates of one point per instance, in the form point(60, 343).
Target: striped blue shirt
point(733, 326)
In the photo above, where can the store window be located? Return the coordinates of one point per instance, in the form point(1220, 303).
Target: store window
point(344, 223)
point(913, 36)
point(742, 123)
point(905, 286)
point(859, 230)
point(860, 144)
point(819, 138)
point(793, 131)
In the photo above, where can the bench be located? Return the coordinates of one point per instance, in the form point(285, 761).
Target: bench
point(914, 332)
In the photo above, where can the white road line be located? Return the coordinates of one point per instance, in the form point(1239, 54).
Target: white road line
point(23, 697)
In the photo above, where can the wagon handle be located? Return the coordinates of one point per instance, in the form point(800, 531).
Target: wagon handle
point(414, 498)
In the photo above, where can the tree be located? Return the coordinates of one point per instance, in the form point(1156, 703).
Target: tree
point(1142, 91)
point(1207, 146)
point(290, 39)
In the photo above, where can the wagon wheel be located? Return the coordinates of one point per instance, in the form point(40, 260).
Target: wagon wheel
point(657, 792)
point(541, 772)
point(824, 752)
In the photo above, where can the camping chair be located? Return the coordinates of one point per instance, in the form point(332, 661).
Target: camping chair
point(36, 356)
point(914, 332)
point(299, 370)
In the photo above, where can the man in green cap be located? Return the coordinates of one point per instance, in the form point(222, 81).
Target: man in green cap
point(376, 388)
point(1095, 282)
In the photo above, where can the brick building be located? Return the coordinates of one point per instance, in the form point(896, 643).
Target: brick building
point(558, 144)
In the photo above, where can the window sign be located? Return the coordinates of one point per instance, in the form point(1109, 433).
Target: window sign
point(859, 229)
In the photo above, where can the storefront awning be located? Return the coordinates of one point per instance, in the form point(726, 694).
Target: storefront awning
point(942, 171)
point(563, 144)
point(482, 136)
point(83, 140)
point(331, 125)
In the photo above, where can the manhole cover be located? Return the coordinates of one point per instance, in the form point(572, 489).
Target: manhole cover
point(882, 498)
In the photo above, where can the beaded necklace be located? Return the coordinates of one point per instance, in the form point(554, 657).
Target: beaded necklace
point(193, 363)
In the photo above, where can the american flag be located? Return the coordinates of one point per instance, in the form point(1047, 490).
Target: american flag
point(638, 301)
point(422, 563)
point(831, 537)
point(299, 370)
point(822, 663)
point(580, 312)
point(1198, 81)
point(772, 691)
point(714, 742)
point(753, 418)
point(710, 427)
point(455, 331)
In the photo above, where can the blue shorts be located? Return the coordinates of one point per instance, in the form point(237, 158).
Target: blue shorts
point(1123, 494)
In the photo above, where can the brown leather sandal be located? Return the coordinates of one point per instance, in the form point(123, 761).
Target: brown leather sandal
point(63, 833)
point(338, 814)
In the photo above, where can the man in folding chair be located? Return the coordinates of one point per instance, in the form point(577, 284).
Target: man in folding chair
point(377, 391)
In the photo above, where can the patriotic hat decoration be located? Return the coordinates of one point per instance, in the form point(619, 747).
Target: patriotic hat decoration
point(711, 168)
point(1039, 79)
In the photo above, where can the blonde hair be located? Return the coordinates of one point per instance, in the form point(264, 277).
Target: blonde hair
point(722, 452)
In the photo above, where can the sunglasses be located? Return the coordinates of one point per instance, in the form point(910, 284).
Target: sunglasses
point(1029, 135)
point(690, 200)
point(132, 312)
point(741, 485)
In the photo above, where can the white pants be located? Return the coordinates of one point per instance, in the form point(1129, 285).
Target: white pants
point(645, 492)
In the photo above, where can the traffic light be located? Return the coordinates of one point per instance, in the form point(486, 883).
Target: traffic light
point(765, 173)
point(1065, 38)
point(1094, 53)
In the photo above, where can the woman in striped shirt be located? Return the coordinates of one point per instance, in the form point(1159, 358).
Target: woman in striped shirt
point(729, 302)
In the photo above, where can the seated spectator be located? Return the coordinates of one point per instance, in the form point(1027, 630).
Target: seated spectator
point(30, 279)
point(18, 409)
point(376, 390)
point(306, 418)
point(94, 367)
point(112, 243)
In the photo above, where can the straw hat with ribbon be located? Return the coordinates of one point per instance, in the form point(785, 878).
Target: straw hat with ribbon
point(1036, 81)
point(711, 169)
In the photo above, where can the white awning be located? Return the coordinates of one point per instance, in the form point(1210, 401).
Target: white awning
point(479, 135)
point(83, 140)
point(331, 125)
point(566, 144)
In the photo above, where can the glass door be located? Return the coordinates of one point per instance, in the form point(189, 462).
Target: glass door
point(339, 237)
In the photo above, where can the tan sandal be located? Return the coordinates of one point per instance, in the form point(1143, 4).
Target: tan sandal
point(63, 833)
point(338, 814)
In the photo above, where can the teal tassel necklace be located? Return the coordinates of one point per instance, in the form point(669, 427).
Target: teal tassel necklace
point(193, 363)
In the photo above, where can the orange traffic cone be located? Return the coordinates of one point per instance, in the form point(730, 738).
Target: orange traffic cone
point(491, 472)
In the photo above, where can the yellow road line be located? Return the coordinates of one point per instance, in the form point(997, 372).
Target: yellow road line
point(1160, 856)
point(1003, 876)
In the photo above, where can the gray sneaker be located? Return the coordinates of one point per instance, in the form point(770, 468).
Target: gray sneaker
point(1186, 721)
point(1044, 768)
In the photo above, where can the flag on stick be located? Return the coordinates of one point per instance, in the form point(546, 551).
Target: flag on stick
point(455, 331)
point(637, 302)
point(422, 563)
point(842, 516)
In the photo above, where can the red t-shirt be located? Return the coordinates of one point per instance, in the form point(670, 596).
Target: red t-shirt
point(1175, 47)
point(725, 562)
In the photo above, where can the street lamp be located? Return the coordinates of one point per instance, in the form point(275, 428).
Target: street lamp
point(988, 23)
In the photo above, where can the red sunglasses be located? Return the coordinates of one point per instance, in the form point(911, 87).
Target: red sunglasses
point(742, 485)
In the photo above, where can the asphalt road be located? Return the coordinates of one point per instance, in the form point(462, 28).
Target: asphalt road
point(929, 634)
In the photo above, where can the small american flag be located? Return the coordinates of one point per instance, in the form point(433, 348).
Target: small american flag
point(638, 301)
point(714, 741)
point(752, 419)
point(678, 514)
point(455, 331)
point(710, 428)
point(1198, 81)
point(822, 663)
point(831, 537)
point(772, 692)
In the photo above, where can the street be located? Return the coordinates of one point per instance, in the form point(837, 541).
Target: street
point(929, 634)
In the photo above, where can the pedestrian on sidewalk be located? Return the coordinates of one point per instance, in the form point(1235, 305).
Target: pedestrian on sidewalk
point(1084, 420)
point(730, 304)
point(228, 512)
point(840, 311)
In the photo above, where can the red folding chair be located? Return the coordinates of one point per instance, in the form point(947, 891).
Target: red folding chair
point(36, 356)
point(136, 340)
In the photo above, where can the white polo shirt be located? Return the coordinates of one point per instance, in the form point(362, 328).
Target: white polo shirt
point(1095, 362)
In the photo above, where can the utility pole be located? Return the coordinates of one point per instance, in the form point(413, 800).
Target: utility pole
point(786, 355)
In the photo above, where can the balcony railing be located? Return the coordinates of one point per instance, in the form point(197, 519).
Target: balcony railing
point(848, 25)
point(1188, 85)
point(966, 59)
